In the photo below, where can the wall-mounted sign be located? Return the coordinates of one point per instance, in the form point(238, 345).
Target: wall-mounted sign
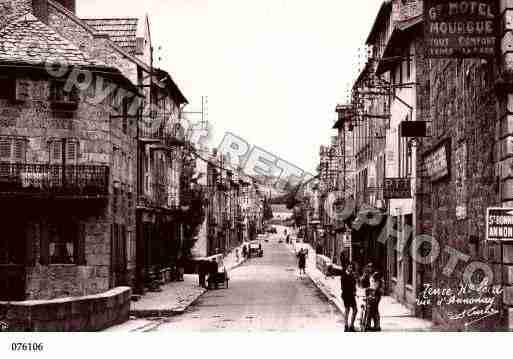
point(437, 162)
point(459, 29)
point(397, 188)
point(413, 129)
point(499, 224)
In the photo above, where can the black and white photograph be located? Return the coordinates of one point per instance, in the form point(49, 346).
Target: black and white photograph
point(292, 167)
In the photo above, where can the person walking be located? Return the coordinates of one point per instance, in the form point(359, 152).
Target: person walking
point(301, 262)
point(348, 289)
point(202, 273)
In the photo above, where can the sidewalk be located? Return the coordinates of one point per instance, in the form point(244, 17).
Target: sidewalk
point(394, 315)
point(176, 297)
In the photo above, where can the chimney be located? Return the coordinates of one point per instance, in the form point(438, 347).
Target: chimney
point(40, 10)
point(68, 4)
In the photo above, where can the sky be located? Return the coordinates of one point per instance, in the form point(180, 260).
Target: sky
point(273, 70)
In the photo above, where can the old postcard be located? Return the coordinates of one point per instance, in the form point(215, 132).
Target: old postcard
point(255, 166)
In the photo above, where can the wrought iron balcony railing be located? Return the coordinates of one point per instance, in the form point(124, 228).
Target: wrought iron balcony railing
point(159, 131)
point(71, 180)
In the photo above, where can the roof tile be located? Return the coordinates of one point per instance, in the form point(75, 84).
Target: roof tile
point(29, 40)
point(123, 32)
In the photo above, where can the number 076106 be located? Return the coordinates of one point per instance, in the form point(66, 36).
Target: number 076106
point(27, 347)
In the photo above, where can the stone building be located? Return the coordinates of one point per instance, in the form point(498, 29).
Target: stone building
point(397, 53)
point(67, 166)
point(131, 146)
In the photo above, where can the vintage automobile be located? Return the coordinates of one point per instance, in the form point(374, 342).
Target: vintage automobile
point(255, 250)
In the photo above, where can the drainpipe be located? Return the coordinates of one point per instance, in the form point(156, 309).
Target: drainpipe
point(504, 140)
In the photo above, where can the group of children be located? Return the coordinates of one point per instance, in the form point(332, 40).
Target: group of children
point(372, 283)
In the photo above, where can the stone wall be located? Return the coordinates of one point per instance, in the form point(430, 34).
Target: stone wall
point(462, 111)
point(101, 142)
point(88, 313)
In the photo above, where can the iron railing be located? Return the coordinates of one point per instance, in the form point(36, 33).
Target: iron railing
point(152, 129)
point(54, 179)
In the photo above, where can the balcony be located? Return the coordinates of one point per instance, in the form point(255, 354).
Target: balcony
point(18, 179)
point(158, 132)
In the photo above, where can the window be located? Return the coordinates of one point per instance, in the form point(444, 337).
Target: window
point(125, 106)
point(408, 65)
point(13, 149)
point(59, 94)
point(7, 88)
point(63, 150)
point(408, 221)
point(62, 242)
point(400, 72)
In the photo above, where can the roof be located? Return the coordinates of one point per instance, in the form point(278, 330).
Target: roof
point(384, 11)
point(122, 31)
point(30, 41)
point(71, 16)
point(173, 88)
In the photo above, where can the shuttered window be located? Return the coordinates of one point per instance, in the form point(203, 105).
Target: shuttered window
point(5, 149)
point(71, 151)
point(13, 149)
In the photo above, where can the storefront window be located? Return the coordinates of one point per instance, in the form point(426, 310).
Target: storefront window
point(61, 244)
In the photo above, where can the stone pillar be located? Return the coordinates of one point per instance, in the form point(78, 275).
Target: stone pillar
point(504, 133)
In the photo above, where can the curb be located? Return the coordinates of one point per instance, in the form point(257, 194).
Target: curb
point(155, 313)
point(329, 295)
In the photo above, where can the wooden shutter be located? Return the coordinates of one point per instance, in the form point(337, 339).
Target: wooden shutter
point(5, 149)
point(56, 151)
point(71, 152)
point(19, 150)
point(44, 251)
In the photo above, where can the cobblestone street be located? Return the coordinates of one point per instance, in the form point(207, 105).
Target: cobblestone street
point(264, 294)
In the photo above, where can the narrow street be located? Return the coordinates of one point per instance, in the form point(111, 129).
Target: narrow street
point(263, 294)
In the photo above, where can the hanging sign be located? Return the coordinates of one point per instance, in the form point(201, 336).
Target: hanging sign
point(397, 188)
point(460, 29)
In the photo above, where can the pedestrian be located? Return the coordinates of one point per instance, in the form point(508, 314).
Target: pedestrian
point(214, 267)
point(244, 251)
point(237, 258)
point(180, 266)
point(348, 289)
point(365, 278)
point(375, 292)
point(302, 262)
point(343, 260)
point(202, 273)
point(287, 240)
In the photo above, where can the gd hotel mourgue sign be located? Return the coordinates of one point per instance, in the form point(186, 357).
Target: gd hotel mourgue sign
point(460, 29)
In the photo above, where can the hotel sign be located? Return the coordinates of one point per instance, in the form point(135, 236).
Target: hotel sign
point(397, 188)
point(460, 29)
point(499, 224)
point(437, 162)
